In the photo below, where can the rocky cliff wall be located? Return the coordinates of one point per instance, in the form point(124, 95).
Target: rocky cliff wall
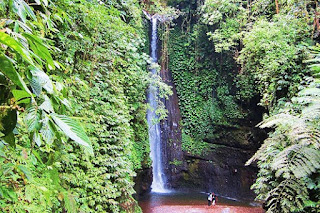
point(173, 158)
point(222, 168)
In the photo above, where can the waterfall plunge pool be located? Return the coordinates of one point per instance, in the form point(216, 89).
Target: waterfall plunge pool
point(193, 202)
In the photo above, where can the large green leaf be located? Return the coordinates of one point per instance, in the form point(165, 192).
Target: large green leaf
point(10, 139)
point(25, 171)
point(21, 96)
point(7, 68)
point(37, 138)
point(46, 105)
point(16, 46)
point(72, 129)
point(39, 48)
point(25, 27)
point(37, 155)
point(23, 10)
point(41, 80)
point(35, 85)
point(47, 130)
point(33, 119)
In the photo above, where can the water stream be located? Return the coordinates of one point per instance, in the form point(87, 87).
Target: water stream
point(158, 184)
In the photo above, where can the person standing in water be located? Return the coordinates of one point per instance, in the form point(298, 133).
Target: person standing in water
point(210, 199)
point(213, 199)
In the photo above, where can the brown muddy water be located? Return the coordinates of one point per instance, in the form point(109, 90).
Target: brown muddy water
point(194, 202)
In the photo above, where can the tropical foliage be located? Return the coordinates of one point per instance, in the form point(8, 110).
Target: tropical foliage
point(68, 66)
point(207, 99)
point(272, 40)
point(73, 76)
point(289, 160)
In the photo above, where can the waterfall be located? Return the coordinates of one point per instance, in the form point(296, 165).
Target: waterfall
point(158, 183)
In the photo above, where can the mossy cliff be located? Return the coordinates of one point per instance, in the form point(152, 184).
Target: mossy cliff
point(218, 133)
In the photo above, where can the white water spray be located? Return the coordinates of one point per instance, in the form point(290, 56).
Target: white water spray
point(158, 183)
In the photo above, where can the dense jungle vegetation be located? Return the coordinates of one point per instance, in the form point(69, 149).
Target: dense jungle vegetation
point(73, 77)
point(225, 57)
point(67, 66)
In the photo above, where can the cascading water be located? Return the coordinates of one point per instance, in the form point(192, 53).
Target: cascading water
point(158, 183)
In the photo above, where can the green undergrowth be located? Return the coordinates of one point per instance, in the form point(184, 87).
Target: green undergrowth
point(99, 81)
point(205, 87)
point(108, 89)
point(276, 44)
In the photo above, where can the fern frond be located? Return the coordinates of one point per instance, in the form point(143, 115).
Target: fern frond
point(310, 91)
point(296, 128)
point(291, 155)
point(303, 134)
point(310, 98)
point(267, 150)
point(305, 162)
point(274, 121)
point(305, 100)
point(288, 196)
point(298, 160)
point(312, 111)
point(281, 163)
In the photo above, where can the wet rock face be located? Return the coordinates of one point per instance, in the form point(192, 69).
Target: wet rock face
point(143, 181)
point(223, 174)
point(244, 137)
point(222, 169)
point(173, 159)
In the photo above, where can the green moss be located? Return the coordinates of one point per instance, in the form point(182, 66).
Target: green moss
point(176, 162)
point(192, 146)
